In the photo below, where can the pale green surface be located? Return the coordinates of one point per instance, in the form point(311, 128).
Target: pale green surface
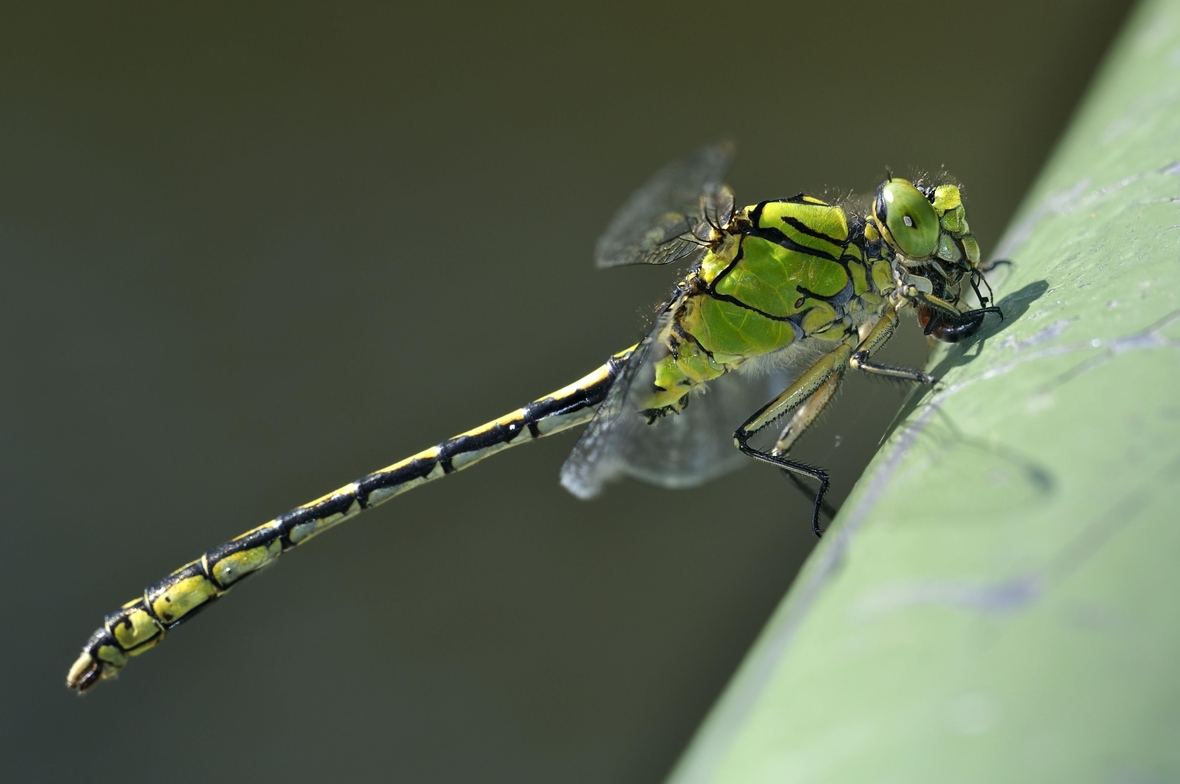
point(998, 600)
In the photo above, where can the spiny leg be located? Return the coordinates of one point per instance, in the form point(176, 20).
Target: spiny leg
point(797, 425)
point(800, 422)
point(878, 336)
point(826, 509)
point(808, 413)
point(809, 394)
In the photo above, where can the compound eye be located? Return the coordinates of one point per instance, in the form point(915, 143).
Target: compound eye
point(909, 217)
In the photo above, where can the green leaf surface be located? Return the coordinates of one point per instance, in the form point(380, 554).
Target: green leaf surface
point(998, 598)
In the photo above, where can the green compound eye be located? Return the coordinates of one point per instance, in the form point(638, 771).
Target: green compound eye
point(909, 218)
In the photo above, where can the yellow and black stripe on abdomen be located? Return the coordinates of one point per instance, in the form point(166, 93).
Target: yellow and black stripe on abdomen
point(142, 623)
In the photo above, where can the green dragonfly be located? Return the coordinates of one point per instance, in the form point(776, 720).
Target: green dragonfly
point(779, 300)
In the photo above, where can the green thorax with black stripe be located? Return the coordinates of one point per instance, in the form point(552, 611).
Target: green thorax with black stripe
point(781, 271)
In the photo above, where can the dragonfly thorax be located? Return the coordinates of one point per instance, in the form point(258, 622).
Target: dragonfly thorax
point(789, 270)
point(781, 272)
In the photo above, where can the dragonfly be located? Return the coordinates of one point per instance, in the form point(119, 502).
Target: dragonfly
point(780, 299)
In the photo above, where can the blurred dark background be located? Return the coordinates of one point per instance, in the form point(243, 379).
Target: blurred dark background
point(250, 253)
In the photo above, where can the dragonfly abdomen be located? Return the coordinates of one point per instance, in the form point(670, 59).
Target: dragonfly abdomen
point(142, 623)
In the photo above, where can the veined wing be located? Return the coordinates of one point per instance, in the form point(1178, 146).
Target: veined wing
point(595, 458)
point(696, 445)
point(679, 449)
point(669, 218)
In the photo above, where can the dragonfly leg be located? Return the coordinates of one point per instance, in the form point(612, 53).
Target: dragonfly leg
point(826, 509)
point(878, 336)
point(796, 426)
point(807, 398)
point(871, 340)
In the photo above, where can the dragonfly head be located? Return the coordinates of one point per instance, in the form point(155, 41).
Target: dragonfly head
point(934, 252)
point(925, 226)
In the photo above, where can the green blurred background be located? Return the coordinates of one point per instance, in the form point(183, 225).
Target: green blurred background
point(252, 252)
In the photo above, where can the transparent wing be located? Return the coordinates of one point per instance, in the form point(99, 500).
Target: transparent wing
point(677, 450)
point(696, 445)
point(596, 457)
point(667, 219)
